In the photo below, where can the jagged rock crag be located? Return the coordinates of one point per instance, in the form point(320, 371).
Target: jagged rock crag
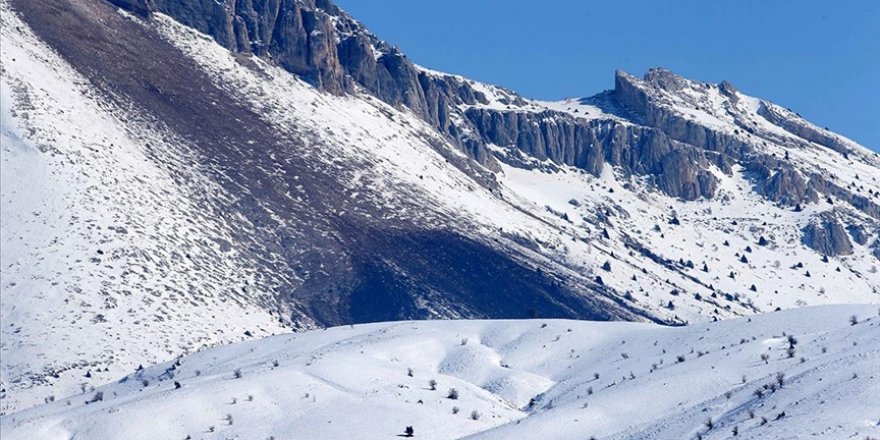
point(827, 236)
point(324, 45)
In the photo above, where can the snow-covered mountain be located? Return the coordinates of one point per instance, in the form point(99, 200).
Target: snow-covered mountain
point(549, 379)
point(181, 174)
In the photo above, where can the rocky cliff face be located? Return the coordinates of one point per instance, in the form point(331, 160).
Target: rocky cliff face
point(786, 186)
point(827, 236)
point(324, 45)
point(784, 119)
point(677, 169)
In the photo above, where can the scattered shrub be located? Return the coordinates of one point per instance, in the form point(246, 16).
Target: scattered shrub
point(453, 394)
point(98, 397)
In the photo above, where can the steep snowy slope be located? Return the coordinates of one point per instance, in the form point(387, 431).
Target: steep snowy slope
point(514, 379)
point(179, 174)
point(101, 247)
point(662, 241)
point(120, 231)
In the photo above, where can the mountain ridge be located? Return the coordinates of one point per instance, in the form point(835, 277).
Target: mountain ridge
point(361, 57)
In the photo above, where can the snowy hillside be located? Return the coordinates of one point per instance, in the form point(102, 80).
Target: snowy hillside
point(720, 250)
point(171, 182)
point(87, 227)
point(511, 379)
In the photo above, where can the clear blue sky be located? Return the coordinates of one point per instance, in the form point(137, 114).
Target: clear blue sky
point(819, 58)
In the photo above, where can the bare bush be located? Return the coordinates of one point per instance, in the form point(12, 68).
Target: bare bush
point(453, 394)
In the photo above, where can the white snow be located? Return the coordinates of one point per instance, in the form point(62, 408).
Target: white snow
point(353, 382)
point(75, 169)
point(738, 216)
point(99, 242)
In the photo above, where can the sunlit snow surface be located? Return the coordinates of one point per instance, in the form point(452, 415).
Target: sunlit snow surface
point(100, 246)
point(101, 243)
point(525, 379)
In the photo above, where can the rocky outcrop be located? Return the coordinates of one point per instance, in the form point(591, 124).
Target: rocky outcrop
point(788, 187)
point(298, 35)
point(860, 233)
point(676, 168)
point(822, 184)
point(792, 124)
point(683, 178)
point(139, 7)
point(826, 235)
point(727, 89)
point(634, 94)
point(545, 135)
point(646, 100)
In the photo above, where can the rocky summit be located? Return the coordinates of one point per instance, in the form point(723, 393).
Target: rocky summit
point(212, 171)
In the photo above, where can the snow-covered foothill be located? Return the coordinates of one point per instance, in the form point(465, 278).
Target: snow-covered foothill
point(807, 373)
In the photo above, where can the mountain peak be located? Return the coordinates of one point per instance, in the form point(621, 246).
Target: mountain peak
point(665, 79)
